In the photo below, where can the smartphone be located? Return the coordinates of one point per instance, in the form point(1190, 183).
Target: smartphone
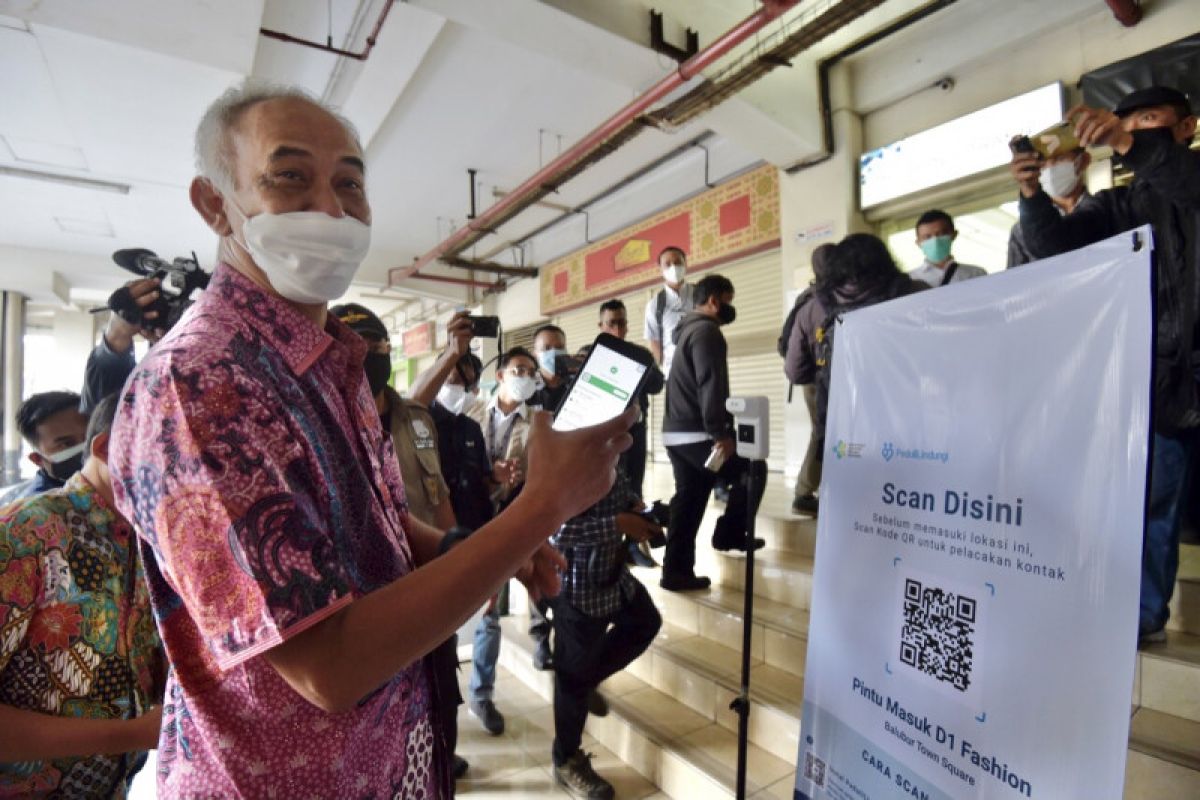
point(608, 381)
point(486, 327)
point(1058, 138)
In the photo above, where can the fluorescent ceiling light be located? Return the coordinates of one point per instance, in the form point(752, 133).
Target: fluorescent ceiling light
point(67, 180)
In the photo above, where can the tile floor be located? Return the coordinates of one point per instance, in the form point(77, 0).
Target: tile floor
point(517, 763)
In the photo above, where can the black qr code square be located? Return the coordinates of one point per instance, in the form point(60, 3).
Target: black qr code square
point(814, 769)
point(937, 633)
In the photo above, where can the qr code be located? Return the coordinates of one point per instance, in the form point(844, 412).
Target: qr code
point(814, 769)
point(937, 633)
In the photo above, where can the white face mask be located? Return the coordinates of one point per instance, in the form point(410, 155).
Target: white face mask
point(521, 387)
point(674, 274)
point(308, 256)
point(1059, 179)
point(453, 397)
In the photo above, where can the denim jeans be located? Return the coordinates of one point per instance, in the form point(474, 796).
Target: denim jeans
point(485, 655)
point(1160, 547)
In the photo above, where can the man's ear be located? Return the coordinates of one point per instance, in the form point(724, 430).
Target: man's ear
point(99, 447)
point(1187, 127)
point(211, 205)
point(38, 459)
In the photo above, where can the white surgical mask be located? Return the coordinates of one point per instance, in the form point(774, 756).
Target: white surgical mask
point(674, 274)
point(1060, 178)
point(308, 256)
point(453, 397)
point(521, 387)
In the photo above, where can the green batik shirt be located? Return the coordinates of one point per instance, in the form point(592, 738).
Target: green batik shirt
point(77, 638)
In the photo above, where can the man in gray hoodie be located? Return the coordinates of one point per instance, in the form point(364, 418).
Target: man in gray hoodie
point(697, 426)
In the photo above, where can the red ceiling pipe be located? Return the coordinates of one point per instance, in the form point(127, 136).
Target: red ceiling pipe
point(328, 46)
point(1127, 12)
point(686, 71)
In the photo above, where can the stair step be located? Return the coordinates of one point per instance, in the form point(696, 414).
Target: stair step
point(1185, 606)
point(780, 636)
point(1168, 676)
point(1164, 757)
point(685, 753)
point(778, 575)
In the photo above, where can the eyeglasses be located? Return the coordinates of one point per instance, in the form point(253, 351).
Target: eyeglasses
point(522, 372)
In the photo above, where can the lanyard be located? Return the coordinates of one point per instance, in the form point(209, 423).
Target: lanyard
point(497, 450)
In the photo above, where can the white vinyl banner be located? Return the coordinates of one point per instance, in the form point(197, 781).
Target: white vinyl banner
point(975, 598)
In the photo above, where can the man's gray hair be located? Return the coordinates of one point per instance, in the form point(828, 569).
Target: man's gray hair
point(214, 148)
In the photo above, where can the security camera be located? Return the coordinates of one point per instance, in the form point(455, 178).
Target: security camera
point(945, 84)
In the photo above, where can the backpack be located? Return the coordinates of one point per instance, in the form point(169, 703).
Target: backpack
point(785, 333)
point(823, 349)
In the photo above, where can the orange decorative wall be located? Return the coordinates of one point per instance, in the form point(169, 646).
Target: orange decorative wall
point(734, 220)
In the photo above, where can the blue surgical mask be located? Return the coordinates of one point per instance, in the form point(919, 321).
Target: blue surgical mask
point(937, 248)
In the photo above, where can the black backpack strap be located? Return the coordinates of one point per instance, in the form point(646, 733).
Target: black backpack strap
point(949, 276)
point(660, 308)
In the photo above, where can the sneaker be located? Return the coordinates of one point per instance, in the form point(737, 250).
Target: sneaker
point(542, 658)
point(684, 583)
point(580, 780)
point(725, 545)
point(491, 719)
point(460, 767)
point(638, 554)
point(1152, 637)
point(597, 706)
point(805, 504)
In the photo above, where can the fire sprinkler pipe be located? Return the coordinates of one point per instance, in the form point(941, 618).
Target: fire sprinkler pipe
point(328, 46)
point(739, 33)
point(1127, 12)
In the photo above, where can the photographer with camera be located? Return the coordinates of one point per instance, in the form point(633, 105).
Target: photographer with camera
point(1062, 178)
point(111, 361)
point(1150, 130)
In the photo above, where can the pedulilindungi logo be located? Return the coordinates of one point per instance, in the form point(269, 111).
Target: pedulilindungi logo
point(848, 449)
point(890, 451)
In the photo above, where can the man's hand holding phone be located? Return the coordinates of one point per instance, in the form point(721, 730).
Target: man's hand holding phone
point(1026, 165)
point(569, 471)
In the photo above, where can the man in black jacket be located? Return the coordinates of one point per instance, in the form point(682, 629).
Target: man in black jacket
point(697, 426)
point(1150, 130)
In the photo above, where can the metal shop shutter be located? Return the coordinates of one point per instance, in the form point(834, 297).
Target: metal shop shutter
point(754, 366)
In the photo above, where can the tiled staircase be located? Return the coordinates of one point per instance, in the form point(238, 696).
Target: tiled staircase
point(670, 718)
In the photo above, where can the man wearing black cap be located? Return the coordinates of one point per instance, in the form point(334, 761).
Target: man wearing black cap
point(1150, 130)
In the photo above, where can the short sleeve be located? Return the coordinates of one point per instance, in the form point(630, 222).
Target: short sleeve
point(652, 332)
point(207, 467)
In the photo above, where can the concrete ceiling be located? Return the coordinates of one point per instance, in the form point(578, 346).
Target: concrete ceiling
point(112, 92)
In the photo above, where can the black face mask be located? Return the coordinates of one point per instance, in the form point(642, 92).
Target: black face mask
point(726, 314)
point(63, 470)
point(379, 368)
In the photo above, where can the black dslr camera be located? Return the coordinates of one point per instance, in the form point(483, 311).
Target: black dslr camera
point(180, 278)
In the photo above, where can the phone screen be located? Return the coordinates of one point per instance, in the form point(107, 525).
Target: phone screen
point(602, 391)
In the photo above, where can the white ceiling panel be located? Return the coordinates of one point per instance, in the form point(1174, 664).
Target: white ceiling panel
point(219, 33)
point(133, 112)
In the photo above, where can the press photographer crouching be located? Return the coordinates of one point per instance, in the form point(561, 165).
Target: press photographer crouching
point(295, 593)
